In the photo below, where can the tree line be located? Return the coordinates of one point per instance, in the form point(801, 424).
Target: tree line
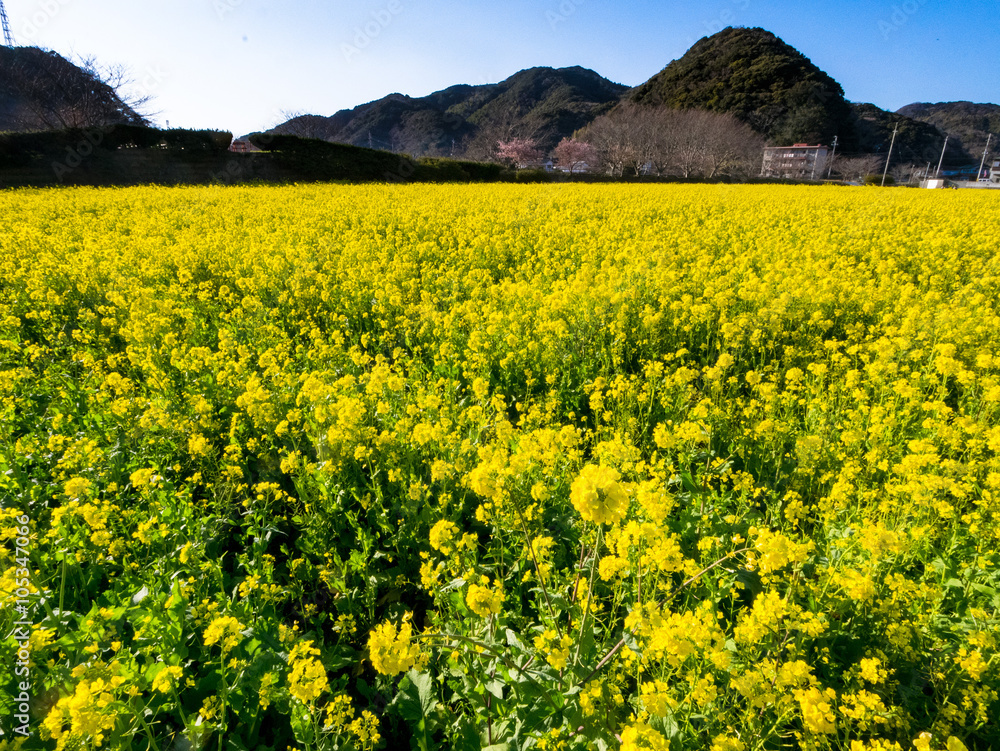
point(660, 141)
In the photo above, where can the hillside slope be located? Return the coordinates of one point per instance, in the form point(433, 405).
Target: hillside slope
point(41, 90)
point(967, 122)
point(542, 103)
point(766, 83)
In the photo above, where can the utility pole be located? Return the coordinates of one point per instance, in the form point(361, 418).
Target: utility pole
point(941, 160)
point(832, 155)
point(979, 174)
point(891, 144)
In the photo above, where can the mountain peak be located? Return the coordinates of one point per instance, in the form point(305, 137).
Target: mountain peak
point(543, 103)
point(753, 74)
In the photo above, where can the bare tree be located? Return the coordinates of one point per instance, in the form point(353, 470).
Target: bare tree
point(133, 98)
point(54, 93)
point(503, 123)
point(294, 123)
point(731, 146)
point(666, 141)
point(620, 139)
point(857, 168)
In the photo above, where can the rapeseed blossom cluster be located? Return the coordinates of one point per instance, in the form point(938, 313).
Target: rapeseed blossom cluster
point(598, 495)
point(237, 439)
point(393, 650)
point(307, 680)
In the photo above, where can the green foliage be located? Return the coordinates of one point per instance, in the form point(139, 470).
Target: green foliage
point(547, 103)
point(967, 123)
point(916, 142)
point(766, 83)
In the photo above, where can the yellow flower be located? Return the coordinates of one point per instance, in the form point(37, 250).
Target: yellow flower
point(307, 679)
point(443, 536)
point(598, 495)
point(871, 669)
point(141, 477)
point(393, 651)
point(727, 743)
point(640, 736)
point(77, 487)
point(167, 678)
point(225, 630)
point(365, 730)
point(656, 697)
point(817, 709)
point(483, 601)
point(972, 663)
point(555, 648)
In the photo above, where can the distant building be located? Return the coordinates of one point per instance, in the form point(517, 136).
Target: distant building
point(577, 168)
point(995, 173)
point(242, 146)
point(798, 162)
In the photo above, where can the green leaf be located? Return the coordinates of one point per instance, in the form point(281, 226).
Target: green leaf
point(495, 688)
point(689, 484)
point(512, 639)
point(416, 698)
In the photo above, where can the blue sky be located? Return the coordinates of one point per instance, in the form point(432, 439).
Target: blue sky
point(239, 65)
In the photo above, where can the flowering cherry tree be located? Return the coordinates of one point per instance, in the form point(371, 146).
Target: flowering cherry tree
point(519, 152)
point(574, 154)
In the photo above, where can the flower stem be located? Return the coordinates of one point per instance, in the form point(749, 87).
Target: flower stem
point(590, 592)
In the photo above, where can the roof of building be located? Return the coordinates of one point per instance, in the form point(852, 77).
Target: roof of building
point(799, 146)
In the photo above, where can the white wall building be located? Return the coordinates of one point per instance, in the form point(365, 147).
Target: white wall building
point(798, 162)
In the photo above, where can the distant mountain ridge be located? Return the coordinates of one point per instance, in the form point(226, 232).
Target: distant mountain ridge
point(747, 72)
point(543, 103)
point(968, 122)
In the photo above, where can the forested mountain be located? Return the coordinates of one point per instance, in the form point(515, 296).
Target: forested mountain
point(748, 73)
point(752, 74)
point(916, 142)
point(540, 103)
point(966, 122)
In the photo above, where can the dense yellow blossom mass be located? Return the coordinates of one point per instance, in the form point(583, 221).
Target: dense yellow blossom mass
point(559, 466)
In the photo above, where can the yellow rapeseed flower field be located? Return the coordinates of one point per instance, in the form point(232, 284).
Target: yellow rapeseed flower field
point(561, 466)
